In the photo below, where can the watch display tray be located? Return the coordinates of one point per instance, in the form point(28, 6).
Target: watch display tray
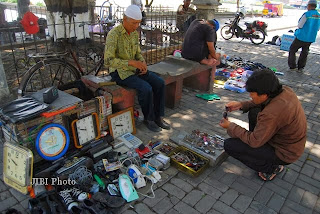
point(215, 158)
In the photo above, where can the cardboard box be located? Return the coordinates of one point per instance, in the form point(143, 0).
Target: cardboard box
point(286, 41)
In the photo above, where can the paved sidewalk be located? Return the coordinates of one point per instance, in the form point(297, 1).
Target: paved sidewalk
point(231, 187)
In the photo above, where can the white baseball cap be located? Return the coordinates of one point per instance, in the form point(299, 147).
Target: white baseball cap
point(133, 12)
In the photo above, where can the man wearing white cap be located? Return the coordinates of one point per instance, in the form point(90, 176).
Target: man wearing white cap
point(128, 68)
point(308, 27)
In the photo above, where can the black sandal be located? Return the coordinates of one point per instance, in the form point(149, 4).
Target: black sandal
point(268, 177)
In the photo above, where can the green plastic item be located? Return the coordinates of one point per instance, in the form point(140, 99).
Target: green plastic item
point(273, 69)
point(100, 182)
point(209, 97)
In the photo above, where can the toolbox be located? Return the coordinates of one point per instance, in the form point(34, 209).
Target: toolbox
point(183, 167)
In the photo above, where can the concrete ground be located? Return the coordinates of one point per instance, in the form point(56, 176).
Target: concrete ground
point(230, 187)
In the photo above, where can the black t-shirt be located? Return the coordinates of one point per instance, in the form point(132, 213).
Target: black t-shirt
point(195, 46)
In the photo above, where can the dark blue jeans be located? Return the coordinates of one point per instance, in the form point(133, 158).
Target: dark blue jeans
point(262, 159)
point(151, 92)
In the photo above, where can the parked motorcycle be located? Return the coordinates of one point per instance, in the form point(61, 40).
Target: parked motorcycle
point(256, 31)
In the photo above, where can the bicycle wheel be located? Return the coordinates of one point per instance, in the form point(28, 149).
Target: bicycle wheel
point(227, 32)
point(257, 37)
point(50, 72)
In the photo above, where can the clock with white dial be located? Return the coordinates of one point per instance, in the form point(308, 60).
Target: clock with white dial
point(52, 141)
point(17, 166)
point(121, 123)
point(85, 130)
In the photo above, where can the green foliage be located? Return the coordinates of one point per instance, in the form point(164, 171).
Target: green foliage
point(9, 1)
point(40, 4)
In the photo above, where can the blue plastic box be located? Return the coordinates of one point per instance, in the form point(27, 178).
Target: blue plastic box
point(286, 41)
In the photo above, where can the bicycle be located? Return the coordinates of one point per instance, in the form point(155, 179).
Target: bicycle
point(56, 69)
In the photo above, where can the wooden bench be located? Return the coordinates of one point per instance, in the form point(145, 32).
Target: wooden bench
point(175, 71)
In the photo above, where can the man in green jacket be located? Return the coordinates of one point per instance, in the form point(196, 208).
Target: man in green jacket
point(277, 126)
point(128, 68)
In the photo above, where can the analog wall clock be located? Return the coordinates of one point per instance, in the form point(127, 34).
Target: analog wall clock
point(52, 141)
point(85, 130)
point(17, 166)
point(121, 123)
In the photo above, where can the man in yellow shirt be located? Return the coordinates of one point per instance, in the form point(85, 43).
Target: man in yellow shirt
point(128, 68)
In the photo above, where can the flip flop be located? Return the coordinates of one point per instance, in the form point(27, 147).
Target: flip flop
point(268, 177)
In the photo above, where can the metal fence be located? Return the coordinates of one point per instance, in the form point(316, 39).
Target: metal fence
point(159, 37)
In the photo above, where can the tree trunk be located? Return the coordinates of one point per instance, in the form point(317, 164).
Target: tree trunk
point(23, 7)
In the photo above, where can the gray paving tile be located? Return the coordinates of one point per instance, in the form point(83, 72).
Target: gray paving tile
point(173, 199)
point(290, 175)
point(243, 189)
point(248, 183)
point(193, 197)
point(276, 202)
point(216, 184)
point(217, 173)
point(141, 208)
point(184, 208)
point(309, 200)
point(309, 180)
point(185, 186)
point(128, 212)
point(163, 206)
point(7, 203)
point(251, 211)
point(275, 188)
point(159, 193)
point(223, 208)
point(263, 195)
point(173, 190)
point(297, 207)
point(255, 205)
point(205, 204)
point(215, 193)
point(287, 210)
point(242, 203)
point(228, 178)
point(19, 196)
point(172, 211)
point(307, 186)
point(229, 196)
point(307, 170)
point(296, 194)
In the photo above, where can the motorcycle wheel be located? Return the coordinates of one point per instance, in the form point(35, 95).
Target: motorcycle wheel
point(227, 32)
point(257, 37)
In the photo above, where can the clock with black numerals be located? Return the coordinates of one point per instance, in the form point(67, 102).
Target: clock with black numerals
point(17, 166)
point(121, 123)
point(85, 130)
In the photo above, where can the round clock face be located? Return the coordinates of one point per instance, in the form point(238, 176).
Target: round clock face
point(52, 142)
point(122, 124)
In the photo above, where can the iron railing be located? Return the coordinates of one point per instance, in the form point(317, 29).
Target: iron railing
point(159, 37)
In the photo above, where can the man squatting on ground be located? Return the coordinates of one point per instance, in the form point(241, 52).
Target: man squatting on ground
point(277, 126)
point(128, 68)
point(308, 27)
